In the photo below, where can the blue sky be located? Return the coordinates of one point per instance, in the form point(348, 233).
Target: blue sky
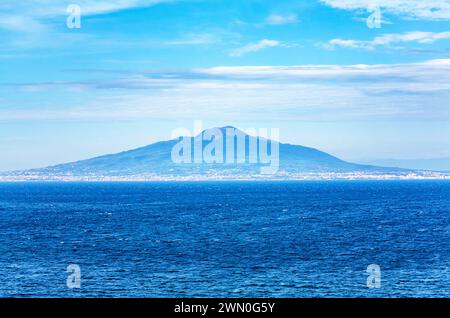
point(137, 69)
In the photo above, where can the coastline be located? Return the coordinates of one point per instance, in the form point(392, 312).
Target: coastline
point(219, 178)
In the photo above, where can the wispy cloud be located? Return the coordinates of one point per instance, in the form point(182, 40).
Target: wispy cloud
point(410, 9)
point(42, 8)
point(305, 92)
point(21, 24)
point(425, 73)
point(389, 39)
point(278, 19)
point(195, 39)
point(31, 15)
point(254, 47)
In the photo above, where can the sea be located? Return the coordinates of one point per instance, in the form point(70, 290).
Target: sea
point(225, 239)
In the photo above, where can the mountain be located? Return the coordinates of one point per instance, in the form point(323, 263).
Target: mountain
point(436, 164)
point(158, 162)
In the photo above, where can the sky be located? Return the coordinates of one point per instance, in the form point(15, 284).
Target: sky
point(362, 80)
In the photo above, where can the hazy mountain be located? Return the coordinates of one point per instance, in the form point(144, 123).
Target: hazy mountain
point(436, 164)
point(155, 162)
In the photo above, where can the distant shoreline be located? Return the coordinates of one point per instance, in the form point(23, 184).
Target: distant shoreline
point(342, 177)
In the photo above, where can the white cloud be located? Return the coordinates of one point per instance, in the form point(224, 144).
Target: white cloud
point(276, 19)
point(424, 74)
point(411, 9)
point(254, 47)
point(41, 8)
point(21, 24)
point(195, 39)
point(29, 15)
point(304, 92)
point(392, 38)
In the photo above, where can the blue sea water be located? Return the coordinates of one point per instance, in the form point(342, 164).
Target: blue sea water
point(225, 239)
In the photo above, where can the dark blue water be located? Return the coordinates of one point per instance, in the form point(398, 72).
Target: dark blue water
point(287, 239)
